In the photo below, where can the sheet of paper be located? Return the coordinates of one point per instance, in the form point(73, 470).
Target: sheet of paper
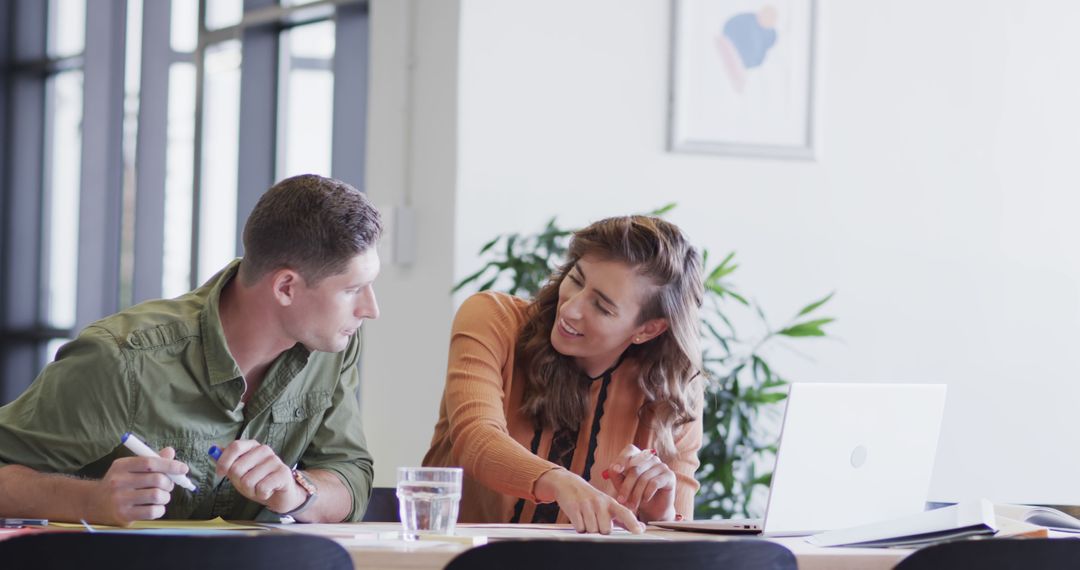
point(196, 525)
point(181, 531)
point(533, 526)
point(471, 534)
point(343, 530)
point(557, 531)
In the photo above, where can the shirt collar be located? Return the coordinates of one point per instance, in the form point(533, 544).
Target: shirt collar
point(220, 365)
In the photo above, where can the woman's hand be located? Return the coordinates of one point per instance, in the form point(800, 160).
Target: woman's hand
point(589, 509)
point(643, 483)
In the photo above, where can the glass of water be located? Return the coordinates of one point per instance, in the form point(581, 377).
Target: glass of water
point(428, 500)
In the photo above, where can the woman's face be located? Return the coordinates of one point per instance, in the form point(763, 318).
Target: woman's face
point(597, 316)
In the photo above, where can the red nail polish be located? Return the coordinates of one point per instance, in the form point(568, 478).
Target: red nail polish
point(678, 517)
point(605, 474)
point(653, 451)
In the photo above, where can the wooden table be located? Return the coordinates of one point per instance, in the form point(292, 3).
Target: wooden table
point(370, 553)
point(375, 546)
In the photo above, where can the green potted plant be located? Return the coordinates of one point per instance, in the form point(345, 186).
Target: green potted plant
point(741, 384)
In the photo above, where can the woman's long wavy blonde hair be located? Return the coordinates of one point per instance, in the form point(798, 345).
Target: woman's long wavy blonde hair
point(556, 389)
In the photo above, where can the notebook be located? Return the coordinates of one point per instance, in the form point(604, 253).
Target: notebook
point(849, 454)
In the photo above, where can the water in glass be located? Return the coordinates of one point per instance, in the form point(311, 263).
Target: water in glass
point(428, 507)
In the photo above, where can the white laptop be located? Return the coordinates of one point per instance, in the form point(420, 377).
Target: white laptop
point(849, 454)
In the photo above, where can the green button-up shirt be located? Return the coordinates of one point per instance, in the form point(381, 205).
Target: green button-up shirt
point(162, 370)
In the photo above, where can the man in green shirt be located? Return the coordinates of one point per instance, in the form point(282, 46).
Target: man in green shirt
point(261, 362)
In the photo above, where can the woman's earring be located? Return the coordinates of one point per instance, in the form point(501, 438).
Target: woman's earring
point(637, 339)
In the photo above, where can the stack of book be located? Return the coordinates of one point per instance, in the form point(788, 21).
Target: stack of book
point(979, 518)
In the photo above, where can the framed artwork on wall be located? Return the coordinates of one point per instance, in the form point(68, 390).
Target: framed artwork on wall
point(742, 80)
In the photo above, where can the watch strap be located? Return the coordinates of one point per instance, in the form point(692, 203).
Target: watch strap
point(308, 487)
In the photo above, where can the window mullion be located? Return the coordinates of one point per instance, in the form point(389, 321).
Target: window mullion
point(101, 201)
point(351, 56)
point(21, 310)
point(258, 115)
point(150, 152)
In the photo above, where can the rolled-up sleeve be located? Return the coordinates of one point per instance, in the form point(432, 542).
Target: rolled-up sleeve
point(480, 344)
point(339, 444)
point(74, 412)
point(688, 439)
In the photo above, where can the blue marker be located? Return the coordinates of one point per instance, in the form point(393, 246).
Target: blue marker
point(132, 442)
point(215, 452)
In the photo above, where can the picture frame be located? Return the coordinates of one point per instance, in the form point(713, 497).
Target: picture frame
point(742, 78)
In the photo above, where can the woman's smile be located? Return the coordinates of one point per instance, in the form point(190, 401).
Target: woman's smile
point(568, 331)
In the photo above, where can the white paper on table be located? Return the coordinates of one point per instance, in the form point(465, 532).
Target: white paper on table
point(537, 531)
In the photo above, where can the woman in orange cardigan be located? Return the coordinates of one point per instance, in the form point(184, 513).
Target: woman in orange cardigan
point(583, 405)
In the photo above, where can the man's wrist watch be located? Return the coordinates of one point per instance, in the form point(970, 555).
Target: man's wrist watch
point(309, 487)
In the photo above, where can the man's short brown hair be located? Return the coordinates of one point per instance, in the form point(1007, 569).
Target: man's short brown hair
point(310, 224)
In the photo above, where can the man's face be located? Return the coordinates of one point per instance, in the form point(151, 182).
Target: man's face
point(325, 316)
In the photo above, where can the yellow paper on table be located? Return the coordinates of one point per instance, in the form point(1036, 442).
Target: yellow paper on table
point(212, 524)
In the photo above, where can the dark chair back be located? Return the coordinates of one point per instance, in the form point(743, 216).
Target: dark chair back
point(751, 554)
point(382, 506)
point(997, 554)
point(130, 551)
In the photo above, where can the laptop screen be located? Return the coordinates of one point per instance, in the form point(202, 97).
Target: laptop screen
point(852, 454)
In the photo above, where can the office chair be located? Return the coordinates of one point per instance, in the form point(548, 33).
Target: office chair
point(130, 551)
point(592, 554)
point(997, 554)
point(382, 506)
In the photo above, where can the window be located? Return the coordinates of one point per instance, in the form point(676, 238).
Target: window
point(63, 158)
point(41, 183)
point(220, 146)
point(306, 99)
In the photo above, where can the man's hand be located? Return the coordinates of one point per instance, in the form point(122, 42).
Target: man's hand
point(135, 489)
point(258, 473)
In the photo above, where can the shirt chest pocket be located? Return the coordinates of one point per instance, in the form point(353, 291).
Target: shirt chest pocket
point(293, 423)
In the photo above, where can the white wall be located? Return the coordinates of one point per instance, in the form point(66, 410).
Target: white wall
point(412, 143)
point(941, 208)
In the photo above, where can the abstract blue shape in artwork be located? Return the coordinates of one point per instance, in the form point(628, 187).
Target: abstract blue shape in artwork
point(750, 38)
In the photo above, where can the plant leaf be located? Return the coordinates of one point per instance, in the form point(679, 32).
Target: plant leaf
point(809, 328)
point(723, 269)
point(489, 245)
point(738, 297)
point(487, 284)
point(470, 278)
point(815, 305)
point(771, 398)
point(663, 209)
